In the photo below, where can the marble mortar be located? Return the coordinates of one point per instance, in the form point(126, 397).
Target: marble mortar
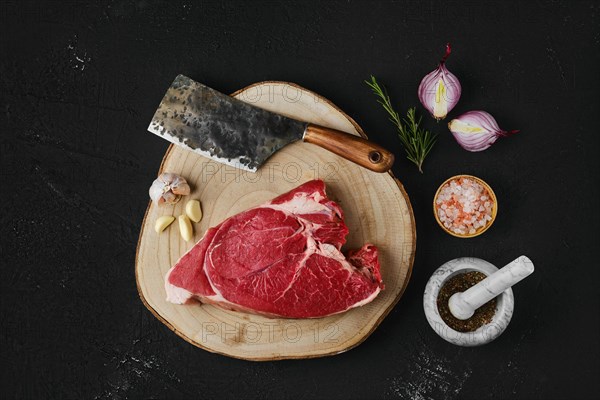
point(485, 333)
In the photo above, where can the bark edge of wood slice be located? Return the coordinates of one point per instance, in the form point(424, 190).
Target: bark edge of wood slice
point(376, 207)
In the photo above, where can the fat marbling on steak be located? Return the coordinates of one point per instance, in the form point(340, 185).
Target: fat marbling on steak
point(280, 259)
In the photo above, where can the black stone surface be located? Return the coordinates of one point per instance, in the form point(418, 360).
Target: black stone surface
point(224, 128)
point(79, 83)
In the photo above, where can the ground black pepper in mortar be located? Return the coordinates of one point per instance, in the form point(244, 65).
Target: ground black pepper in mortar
point(459, 283)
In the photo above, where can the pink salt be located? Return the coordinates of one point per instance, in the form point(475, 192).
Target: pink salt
point(464, 206)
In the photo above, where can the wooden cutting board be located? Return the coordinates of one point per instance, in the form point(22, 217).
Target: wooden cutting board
point(376, 207)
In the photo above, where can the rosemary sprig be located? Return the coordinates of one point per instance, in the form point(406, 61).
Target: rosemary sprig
point(417, 141)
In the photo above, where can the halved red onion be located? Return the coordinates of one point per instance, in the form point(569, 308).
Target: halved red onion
point(440, 90)
point(476, 130)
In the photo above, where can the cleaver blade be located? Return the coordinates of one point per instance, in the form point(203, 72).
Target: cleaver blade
point(230, 131)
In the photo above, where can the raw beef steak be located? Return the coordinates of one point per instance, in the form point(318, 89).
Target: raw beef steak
point(280, 259)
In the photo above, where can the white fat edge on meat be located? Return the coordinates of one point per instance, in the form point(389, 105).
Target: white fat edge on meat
point(302, 203)
point(218, 297)
point(367, 299)
point(176, 294)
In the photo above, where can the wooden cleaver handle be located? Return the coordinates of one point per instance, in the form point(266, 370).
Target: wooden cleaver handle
point(354, 148)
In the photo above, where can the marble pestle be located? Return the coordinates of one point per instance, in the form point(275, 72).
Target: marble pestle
point(463, 305)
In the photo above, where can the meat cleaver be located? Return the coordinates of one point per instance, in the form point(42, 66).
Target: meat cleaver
point(239, 134)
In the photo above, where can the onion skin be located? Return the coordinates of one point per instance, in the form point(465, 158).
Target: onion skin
point(476, 130)
point(440, 90)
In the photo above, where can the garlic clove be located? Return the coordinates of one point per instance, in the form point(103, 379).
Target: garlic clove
point(163, 222)
point(168, 188)
point(185, 227)
point(476, 130)
point(193, 210)
point(440, 90)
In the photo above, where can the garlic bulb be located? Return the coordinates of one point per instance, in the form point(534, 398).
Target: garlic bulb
point(476, 130)
point(440, 90)
point(168, 188)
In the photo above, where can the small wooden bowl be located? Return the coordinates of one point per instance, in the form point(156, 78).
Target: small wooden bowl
point(480, 230)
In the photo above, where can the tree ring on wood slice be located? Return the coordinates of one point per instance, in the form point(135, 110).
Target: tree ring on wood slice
point(376, 207)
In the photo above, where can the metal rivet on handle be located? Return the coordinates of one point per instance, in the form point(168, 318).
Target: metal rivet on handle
point(375, 157)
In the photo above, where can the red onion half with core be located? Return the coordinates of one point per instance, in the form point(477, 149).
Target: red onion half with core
point(440, 90)
point(476, 130)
